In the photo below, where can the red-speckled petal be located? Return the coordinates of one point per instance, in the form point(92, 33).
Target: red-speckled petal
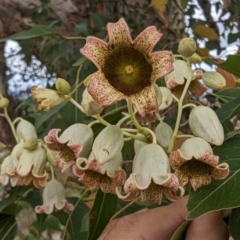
point(147, 39)
point(145, 101)
point(96, 50)
point(119, 33)
point(161, 64)
point(102, 91)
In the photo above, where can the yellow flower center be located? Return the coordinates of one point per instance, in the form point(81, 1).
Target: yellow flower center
point(128, 69)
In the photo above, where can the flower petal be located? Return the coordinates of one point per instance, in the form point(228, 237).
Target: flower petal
point(161, 64)
point(95, 49)
point(197, 88)
point(147, 39)
point(145, 101)
point(221, 171)
point(102, 92)
point(119, 33)
point(51, 139)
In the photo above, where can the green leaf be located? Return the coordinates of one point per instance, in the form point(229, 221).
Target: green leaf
point(227, 95)
point(179, 234)
point(220, 194)
point(206, 32)
point(104, 207)
point(15, 194)
point(184, 3)
point(231, 134)
point(8, 227)
point(80, 236)
point(234, 223)
point(37, 30)
point(43, 116)
point(74, 220)
point(228, 110)
point(52, 222)
point(79, 62)
point(231, 65)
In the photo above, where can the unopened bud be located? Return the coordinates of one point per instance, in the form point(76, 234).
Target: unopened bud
point(63, 86)
point(195, 58)
point(163, 134)
point(4, 102)
point(187, 47)
point(158, 94)
point(166, 98)
point(31, 144)
point(89, 105)
point(204, 123)
point(214, 80)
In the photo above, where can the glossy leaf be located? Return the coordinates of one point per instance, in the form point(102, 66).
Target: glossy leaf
point(52, 222)
point(8, 227)
point(179, 234)
point(227, 95)
point(234, 223)
point(104, 207)
point(231, 65)
point(37, 30)
point(228, 110)
point(220, 194)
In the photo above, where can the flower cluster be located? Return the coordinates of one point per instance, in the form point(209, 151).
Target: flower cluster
point(127, 69)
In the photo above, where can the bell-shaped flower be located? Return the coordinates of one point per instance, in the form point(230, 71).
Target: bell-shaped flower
point(74, 142)
point(7, 167)
point(25, 130)
point(175, 80)
point(103, 167)
point(127, 69)
point(167, 98)
point(151, 177)
point(47, 98)
point(31, 167)
point(195, 162)
point(54, 198)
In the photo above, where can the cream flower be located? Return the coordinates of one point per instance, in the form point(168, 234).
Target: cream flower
point(47, 98)
point(74, 142)
point(176, 79)
point(54, 198)
point(31, 167)
point(151, 176)
point(25, 130)
point(127, 68)
point(103, 167)
point(195, 162)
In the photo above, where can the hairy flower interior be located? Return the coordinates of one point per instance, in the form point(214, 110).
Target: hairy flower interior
point(196, 168)
point(67, 154)
point(127, 70)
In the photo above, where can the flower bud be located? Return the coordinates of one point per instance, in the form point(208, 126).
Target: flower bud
point(214, 80)
point(63, 86)
point(31, 144)
point(25, 130)
point(195, 58)
point(158, 94)
point(108, 144)
point(89, 105)
point(166, 98)
point(187, 47)
point(204, 123)
point(163, 134)
point(4, 102)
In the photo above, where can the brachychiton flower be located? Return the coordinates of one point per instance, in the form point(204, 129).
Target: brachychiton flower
point(127, 69)
point(195, 162)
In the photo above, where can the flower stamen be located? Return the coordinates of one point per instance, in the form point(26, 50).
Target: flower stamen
point(128, 69)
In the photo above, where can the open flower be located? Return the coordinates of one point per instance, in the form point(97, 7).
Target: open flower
point(195, 162)
point(103, 167)
point(54, 198)
point(175, 80)
point(74, 142)
point(127, 68)
point(151, 177)
point(31, 167)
